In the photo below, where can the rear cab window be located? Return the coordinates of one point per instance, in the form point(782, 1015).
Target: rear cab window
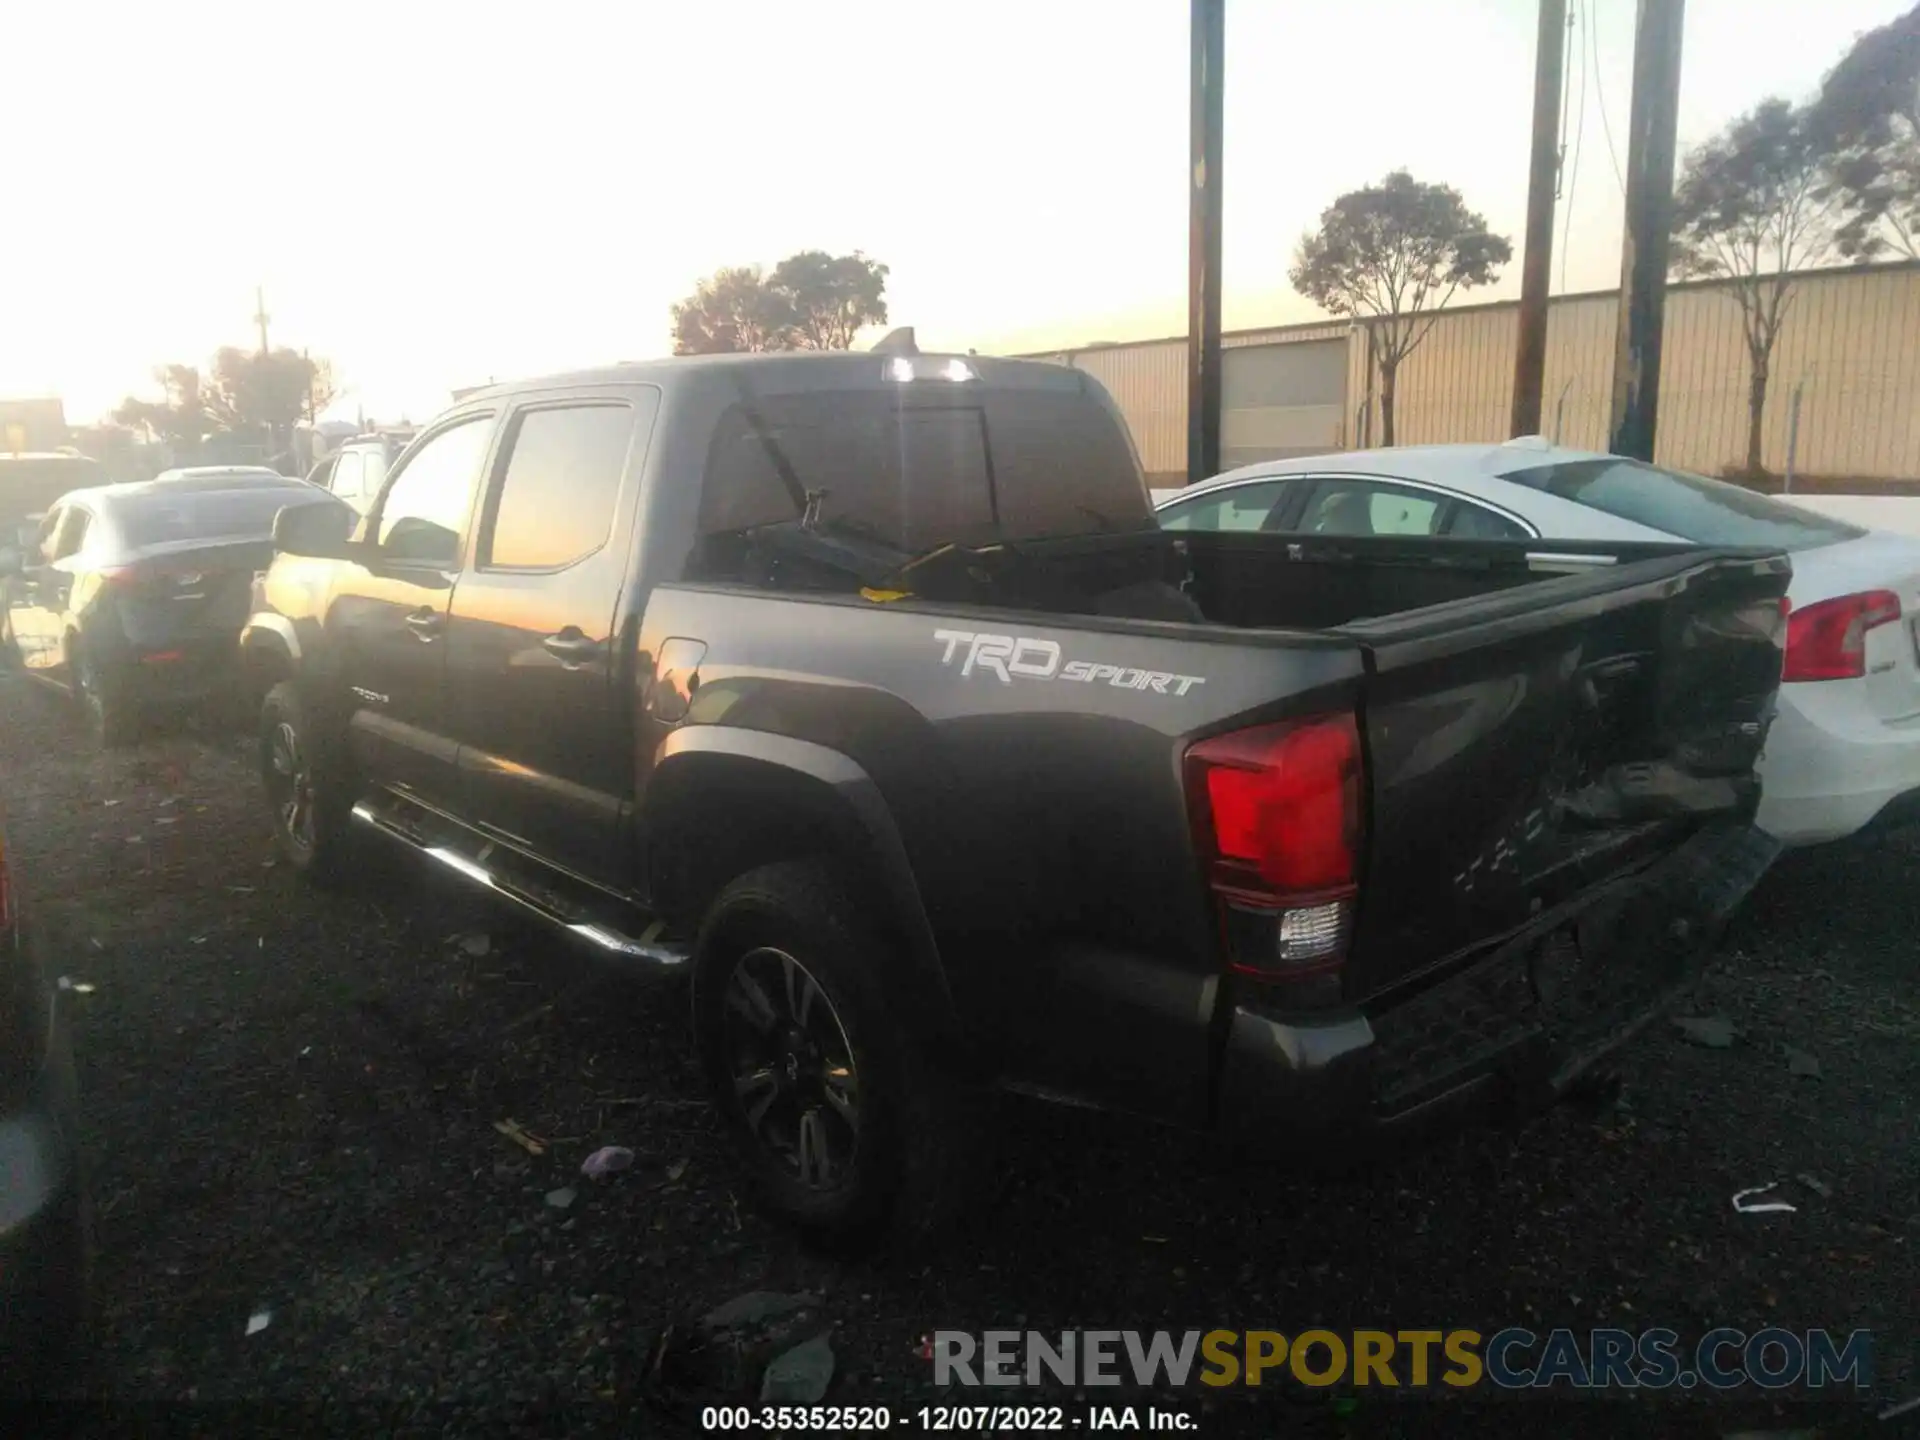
point(916, 469)
point(1706, 512)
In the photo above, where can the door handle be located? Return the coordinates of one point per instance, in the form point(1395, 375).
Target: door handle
point(572, 646)
point(426, 623)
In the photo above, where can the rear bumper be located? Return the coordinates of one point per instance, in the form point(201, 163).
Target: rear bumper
point(1521, 1023)
point(174, 671)
point(1831, 768)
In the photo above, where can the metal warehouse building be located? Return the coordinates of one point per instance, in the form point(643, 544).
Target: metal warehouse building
point(1850, 345)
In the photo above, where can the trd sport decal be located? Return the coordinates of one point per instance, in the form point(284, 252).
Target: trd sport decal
point(1030, 658)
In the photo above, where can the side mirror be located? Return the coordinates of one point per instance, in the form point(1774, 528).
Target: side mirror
point(323, 531)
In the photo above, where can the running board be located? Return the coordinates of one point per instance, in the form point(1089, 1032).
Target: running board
point(648, 949)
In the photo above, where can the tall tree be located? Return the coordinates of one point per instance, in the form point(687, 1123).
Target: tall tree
point(1753, 206)
point(730, 310)
point(811, 301)
point(829, 298)
point(248, 390)
point(1394, 254)
point(1868, 118)
point(179, 417)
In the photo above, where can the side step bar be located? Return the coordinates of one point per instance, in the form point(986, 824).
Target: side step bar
point(647, 950)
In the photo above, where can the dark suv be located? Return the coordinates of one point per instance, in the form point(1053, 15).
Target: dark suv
point(44, 1241)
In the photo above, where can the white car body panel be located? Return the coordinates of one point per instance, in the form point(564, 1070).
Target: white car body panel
point(1840, 751)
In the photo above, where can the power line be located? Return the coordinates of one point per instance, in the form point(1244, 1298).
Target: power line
point(1578, 23)
point(1600, 93)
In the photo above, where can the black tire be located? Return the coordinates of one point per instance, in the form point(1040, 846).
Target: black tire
point(111, 717)
point(901, 1171)
point(309, 792)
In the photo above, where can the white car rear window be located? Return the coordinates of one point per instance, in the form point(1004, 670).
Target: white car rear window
point(1707, 512)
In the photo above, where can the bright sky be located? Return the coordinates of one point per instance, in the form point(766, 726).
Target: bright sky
point(433, 195)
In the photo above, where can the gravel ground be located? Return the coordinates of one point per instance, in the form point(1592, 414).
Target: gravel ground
point(291, 1106)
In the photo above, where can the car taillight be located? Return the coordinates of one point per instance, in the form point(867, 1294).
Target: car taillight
point(1828, 639)
point(1276, 814)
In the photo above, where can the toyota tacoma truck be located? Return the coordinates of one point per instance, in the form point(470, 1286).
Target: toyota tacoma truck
point(865, 690)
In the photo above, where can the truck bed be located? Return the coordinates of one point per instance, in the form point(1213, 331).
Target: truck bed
point(1531, 728)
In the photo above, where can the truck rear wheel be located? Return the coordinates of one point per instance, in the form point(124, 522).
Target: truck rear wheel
point(850, 1129)
point(307, 789)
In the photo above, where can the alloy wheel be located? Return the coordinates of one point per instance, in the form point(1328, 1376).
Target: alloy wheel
point(291, 782)
point(794, 1079)
point(92, 697)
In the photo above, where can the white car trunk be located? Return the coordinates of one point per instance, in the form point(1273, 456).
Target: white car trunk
point(1874, 562)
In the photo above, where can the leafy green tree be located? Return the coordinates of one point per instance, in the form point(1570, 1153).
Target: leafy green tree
point(731, 310)
point(1868, 121)
point(828, 299)
point(1754, 205)
point(180, 417)
point(811, 301)
point(1394, 254)
point(251, 390)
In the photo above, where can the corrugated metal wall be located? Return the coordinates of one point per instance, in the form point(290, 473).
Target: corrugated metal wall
point(1852, 337)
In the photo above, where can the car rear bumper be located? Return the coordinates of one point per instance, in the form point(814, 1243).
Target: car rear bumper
point(1831, 767)
point(175, 671)
point(1519, 1025)
point(43, 1228)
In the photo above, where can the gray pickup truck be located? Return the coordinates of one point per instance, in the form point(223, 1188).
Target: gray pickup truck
point(867, 690)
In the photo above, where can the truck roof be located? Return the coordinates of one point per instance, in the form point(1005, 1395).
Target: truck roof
point(793, 370)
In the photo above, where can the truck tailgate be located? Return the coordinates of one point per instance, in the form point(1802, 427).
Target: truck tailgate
point(1521, 753)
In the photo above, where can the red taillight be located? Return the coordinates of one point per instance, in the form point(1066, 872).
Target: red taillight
point(1277, 816)
point(1828, 640)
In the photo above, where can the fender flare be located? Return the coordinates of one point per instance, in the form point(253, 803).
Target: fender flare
point(263, 632)
point(863, 805)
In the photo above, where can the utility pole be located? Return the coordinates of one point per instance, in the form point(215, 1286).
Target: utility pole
point(1203, 239)
point(1543, 184)
point(1651, 126)
point(260, 315)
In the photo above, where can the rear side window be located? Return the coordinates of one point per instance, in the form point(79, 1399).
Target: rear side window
point(346, 476)
point(1362, 507)
point(1472, 522)
point(73, 533)
point(1241, 507)
point(1707, 512)
point(559, 486)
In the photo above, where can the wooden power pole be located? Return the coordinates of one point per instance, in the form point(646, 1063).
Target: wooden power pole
point(1651, 127)
point(1203, 240)
point(1543, 177)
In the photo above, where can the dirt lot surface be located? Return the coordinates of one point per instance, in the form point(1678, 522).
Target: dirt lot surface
point(291, 1106)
